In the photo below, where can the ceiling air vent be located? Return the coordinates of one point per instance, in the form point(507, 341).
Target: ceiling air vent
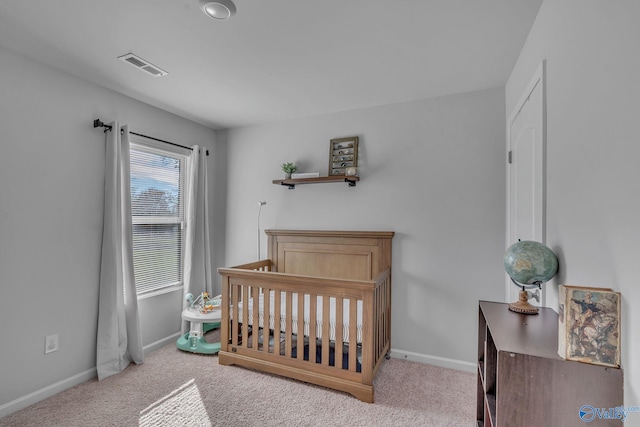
point(143, 65)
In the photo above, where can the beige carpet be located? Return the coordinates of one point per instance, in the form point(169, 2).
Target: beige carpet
point(174, 388)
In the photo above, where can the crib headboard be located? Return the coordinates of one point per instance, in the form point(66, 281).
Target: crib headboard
point(357, 255)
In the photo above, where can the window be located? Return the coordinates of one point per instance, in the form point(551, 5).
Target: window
point(157, 211)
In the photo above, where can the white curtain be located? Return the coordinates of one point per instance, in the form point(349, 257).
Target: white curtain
point(119, 341)
point(197, 258)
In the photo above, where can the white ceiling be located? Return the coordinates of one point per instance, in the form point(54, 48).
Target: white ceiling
point(276, 59)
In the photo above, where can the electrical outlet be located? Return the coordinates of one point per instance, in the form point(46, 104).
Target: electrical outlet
point(50, 343)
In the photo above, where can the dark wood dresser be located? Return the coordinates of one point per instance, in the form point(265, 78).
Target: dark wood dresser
point(522, 381)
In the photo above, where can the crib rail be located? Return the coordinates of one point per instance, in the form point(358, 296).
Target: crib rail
point(262, 265)
point(276, 338)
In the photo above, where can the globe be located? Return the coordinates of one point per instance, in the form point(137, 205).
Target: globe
point(530, 263)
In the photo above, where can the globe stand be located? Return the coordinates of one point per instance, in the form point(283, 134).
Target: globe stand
point(522, 305)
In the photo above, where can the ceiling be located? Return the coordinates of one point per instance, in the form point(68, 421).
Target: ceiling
point(275, 59)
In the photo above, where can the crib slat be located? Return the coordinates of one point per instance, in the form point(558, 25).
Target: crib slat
point(300, 327)
point(326, 339)
point(386, 306)
point(367, 336)
point(266, 317)
point(255, 321)
point(313, 323)
point(234, 308)
point(339, 332)
point(245, 316)
point(224, 325)
point(276, 321)
point(287, 327)
point(353, 333)
point(378, 315)
point(387, 312)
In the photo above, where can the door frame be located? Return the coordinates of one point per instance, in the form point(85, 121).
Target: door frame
point(539, 78)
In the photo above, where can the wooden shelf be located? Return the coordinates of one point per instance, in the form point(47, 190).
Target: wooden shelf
point(291, 183)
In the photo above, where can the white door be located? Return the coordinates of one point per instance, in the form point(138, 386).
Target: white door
point(526, 172)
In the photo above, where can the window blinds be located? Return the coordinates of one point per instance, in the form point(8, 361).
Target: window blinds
point(157, 207)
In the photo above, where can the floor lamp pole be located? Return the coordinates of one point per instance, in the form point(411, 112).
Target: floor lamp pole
point(260, 204)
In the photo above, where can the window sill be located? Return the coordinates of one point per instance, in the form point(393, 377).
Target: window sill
point(162, 291)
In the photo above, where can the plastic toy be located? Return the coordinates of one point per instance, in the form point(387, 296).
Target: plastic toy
point(204, 315)
point(203, 302)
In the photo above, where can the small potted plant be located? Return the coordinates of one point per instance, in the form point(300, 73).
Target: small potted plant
point(288, 169)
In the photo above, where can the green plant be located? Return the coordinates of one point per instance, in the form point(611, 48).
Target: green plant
point(288, 167)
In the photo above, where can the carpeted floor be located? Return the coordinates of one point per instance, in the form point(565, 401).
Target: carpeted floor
point(174, 388)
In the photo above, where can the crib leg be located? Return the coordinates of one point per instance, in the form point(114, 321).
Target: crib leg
point(362, 392)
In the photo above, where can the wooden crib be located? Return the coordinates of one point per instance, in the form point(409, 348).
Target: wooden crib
point(321, 340)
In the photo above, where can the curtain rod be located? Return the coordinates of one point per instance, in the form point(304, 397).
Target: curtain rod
point(97, 123)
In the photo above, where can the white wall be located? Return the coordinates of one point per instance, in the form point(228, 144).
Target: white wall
point(432, 171)
point(593, 69)
point(51, 198)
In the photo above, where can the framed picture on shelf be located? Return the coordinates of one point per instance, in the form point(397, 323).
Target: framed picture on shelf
point(343, 154)
point(589, 325)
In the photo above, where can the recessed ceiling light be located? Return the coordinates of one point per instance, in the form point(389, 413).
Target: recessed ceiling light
point(220, 9)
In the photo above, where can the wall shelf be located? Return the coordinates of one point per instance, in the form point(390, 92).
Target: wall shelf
point(291, 183)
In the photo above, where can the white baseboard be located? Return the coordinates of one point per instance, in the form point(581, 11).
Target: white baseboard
point(160, 343)
point(443, 362)
point(48, 391)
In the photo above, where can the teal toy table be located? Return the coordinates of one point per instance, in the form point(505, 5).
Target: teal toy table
point(201, 323)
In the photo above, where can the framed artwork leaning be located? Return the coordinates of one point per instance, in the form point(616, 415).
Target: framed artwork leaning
point(343, 155)
point(589, 325)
